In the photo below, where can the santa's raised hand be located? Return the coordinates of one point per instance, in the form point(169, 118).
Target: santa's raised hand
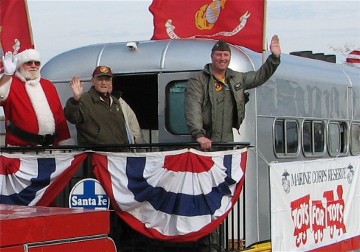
point(10, 63)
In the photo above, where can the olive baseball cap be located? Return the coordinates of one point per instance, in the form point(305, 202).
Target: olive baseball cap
point(221, 45)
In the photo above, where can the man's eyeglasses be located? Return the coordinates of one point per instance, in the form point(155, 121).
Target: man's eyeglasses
point(30, 63)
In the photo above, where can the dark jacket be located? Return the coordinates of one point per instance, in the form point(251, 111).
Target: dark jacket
point(199, 95)
point(96, 122)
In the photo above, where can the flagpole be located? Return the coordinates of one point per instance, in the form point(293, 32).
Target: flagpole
point(264, 43)
point(29, 23)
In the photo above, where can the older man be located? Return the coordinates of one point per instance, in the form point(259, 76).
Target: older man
point(32, 107)
point(97, 114)
point(214, 98)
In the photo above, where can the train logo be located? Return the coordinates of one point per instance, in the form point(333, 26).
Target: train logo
point(88, 194)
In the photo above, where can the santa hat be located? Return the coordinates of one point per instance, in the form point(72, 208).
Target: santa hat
point(27, 55)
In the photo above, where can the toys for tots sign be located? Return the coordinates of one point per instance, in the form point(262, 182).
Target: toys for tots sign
point(314, 203)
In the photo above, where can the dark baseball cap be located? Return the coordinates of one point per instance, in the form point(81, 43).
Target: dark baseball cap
point(102, 71)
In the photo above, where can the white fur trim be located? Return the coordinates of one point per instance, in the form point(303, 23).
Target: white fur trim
point(41, 106)
point(27, 55)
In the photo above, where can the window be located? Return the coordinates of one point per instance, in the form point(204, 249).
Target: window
point(175, 118)
point(286, 137)
point(313, 138)
point(337, 138)
point(355, 138)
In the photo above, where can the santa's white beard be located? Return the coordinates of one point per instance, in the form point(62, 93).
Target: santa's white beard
point(29, 75)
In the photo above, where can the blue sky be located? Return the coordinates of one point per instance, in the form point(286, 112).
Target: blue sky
point(59, 26)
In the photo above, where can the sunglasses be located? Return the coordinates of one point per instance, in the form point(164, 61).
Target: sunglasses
point(30, 63)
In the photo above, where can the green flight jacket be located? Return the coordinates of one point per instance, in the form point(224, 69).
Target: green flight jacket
point(200, 112)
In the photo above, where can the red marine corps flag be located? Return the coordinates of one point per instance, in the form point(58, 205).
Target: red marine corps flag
point(15, 28)
point(239, 22)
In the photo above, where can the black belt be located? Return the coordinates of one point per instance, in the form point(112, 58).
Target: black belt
point(43, 140)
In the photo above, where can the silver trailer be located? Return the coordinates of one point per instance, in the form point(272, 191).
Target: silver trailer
point(309, 109)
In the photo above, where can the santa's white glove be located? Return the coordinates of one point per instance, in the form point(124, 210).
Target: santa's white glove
point(9, 62)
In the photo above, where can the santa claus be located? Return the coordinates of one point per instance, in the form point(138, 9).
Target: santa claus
point(33, 111)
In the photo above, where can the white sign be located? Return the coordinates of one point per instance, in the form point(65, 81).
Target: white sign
point(88, 194)
point(314, 203)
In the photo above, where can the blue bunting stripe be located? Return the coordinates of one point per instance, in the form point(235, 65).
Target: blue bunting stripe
point(172, 202)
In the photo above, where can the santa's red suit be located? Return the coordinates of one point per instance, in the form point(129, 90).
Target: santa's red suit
point(33, 109)
point(34, 106)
